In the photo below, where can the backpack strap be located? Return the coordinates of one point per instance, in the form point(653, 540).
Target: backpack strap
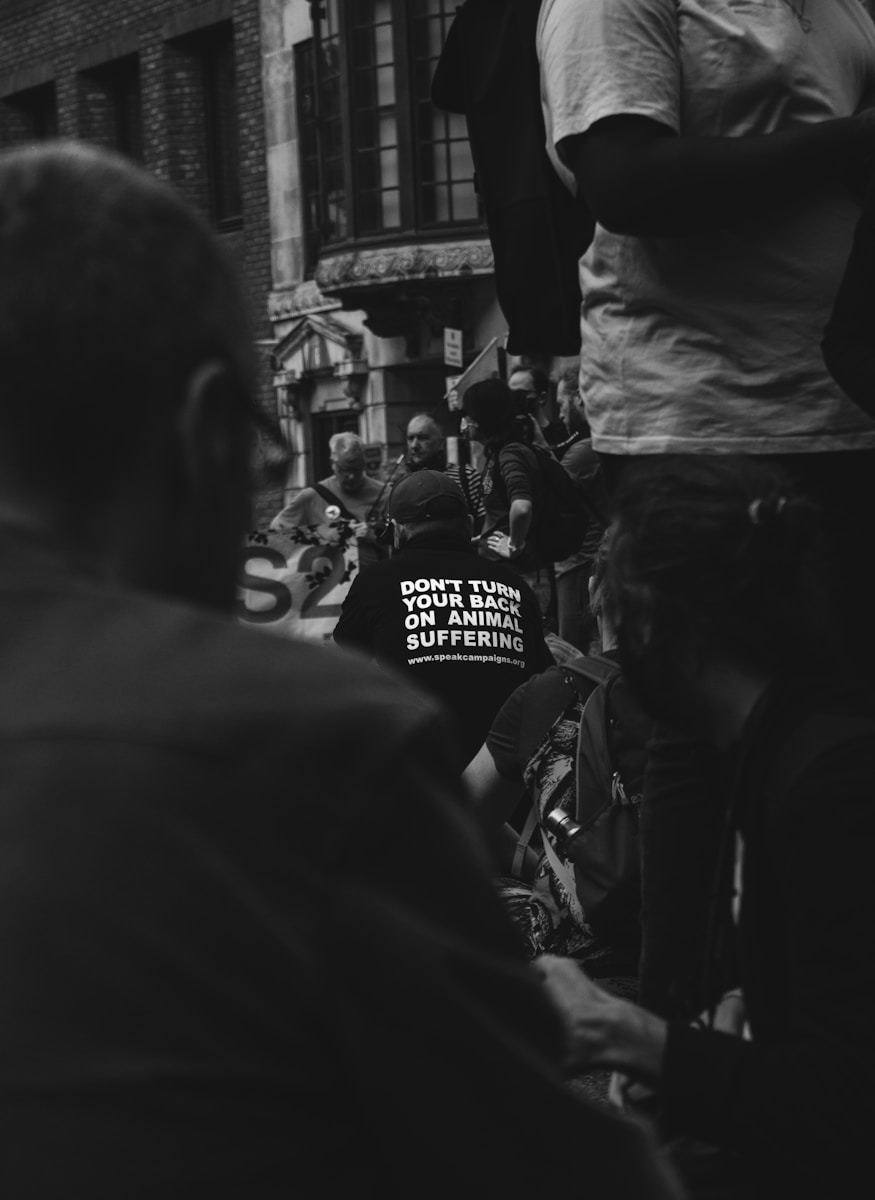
point(525, 838)
point(546, 702)
point(592, 667)
point(330, 498)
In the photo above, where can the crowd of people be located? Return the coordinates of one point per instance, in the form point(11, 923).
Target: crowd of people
point(288, 919)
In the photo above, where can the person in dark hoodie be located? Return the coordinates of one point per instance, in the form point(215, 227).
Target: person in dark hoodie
point(719, 591)
point(466, 629)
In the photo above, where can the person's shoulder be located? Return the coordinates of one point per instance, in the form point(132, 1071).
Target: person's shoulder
point(290, 513)
point(373, 486)
point(518, 453)
point(209, 678)
point(580, 455)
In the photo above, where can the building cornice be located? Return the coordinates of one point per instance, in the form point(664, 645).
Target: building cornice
point(298, 302)
point(360, 268)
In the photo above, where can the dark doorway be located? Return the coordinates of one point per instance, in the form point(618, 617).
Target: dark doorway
point(323, 427)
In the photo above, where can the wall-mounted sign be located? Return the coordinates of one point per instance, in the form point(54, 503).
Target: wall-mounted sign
point(453, 347)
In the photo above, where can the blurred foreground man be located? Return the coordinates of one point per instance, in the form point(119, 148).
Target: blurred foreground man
point(230, 963)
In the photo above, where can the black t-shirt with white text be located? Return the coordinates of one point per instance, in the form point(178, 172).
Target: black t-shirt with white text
point(466, 629)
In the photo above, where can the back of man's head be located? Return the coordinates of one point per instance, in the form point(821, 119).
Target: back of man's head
point(113, 293)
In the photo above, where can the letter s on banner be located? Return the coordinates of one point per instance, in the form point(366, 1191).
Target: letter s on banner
point(254, 584)
point(293, 583)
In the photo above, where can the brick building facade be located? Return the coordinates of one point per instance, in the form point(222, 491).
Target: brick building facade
point(177, 86)
point(378, 242)
point(306, 135)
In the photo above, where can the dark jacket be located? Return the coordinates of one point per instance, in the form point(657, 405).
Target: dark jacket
point(249, 940)
point(467, 630)
point(795, 1103)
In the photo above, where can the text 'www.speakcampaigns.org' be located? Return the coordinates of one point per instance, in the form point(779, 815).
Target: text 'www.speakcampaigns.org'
point(490, 658)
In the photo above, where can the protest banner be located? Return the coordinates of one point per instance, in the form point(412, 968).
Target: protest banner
point(294, 582)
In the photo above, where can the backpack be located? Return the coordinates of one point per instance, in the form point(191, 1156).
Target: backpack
point(488, 70)
point(589, 762)
point(566, 512)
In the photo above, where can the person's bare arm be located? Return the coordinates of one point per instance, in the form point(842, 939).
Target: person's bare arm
point(492, 796)
point(508, 545)
point(639, 178)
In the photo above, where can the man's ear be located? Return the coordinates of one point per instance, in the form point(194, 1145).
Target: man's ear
point(209, 435)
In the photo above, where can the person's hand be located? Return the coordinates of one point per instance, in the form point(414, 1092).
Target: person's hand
point(501, 544)
point(730, 1015)
point(361, 529)
point(586, 1009)
point(538, 434)
point(602, 1030)
point(625, 1093)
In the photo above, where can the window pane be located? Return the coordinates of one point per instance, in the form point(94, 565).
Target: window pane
point(366, 172)
point(426, 7)
point(308, 141)
point(363, 90)
point(363, 48)
point(384, 49)
point(441, 204)
point(332, 139)
point(389, 169)
point(461, 165)
point(433, 163)
point(331, 11)
point(329, 98)
point(464, 202)
point(391, 209)
point(368, 205)
point(388, 132)
point(366, 128)
point(220, 120)
point(434, 37)
point(385, 86)
point(456, 125)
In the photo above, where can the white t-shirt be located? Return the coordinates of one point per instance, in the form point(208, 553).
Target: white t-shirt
point(712, 342)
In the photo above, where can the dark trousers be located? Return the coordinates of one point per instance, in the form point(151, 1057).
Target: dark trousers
point(682, 812)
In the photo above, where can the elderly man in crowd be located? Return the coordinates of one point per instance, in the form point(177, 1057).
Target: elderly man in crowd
point(427, 450)
point(348, 493)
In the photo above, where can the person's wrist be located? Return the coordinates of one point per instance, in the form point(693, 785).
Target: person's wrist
point(634, 1041)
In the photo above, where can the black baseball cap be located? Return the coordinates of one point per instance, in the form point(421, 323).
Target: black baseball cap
point(426, 496)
